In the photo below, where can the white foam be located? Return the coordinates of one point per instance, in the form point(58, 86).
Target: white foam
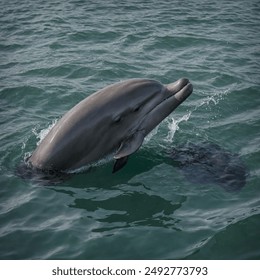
point(85, 168)
point(42, 134)
point(173, 126)
point(150, 135)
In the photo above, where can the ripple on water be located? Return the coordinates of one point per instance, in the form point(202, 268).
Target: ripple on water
point(52, 55)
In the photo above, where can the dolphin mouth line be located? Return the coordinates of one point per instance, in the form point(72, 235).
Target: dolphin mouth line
point(180, 95)
point(162, 110)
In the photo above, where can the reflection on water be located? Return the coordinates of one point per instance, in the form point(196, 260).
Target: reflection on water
point(131, 209)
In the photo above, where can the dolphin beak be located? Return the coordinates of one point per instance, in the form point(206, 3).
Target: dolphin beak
point(178, 85)
point(181, 89)
point(184, 92)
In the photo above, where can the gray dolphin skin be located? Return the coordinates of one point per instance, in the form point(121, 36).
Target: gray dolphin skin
point(114, 120)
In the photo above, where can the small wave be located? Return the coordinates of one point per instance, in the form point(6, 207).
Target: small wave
point(11, 47)
point(61, 70)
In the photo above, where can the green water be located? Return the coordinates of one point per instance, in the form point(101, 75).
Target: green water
point(55, 53)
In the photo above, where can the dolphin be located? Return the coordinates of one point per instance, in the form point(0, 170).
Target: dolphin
point(112, 121)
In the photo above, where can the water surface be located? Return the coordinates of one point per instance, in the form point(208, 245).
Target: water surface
point(54, 54)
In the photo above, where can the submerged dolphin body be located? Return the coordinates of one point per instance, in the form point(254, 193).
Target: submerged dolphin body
point(208, 163)
point(114, 120)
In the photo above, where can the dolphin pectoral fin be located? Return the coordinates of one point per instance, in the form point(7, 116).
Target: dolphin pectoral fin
point(127, 147)
point(130, 145)
point(120, 163)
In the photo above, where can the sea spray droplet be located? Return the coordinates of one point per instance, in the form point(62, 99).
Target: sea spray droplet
point(151, 135)
point(215, 98)
point(42, 134)
point(173, 126)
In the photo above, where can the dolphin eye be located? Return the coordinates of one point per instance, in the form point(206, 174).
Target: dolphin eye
point(137, 108)
point(117, 119)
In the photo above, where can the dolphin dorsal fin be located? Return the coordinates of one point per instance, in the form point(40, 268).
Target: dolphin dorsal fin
point(130, 145)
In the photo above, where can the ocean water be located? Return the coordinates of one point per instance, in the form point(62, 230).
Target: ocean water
point(55, 53)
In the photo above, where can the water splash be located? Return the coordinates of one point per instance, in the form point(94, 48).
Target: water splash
point(86, 168)
point(43, 133)
point(150, 135)
point(173, 126)
point(214, 99)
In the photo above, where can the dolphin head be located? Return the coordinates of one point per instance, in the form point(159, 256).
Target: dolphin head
point(171, 96)
point(139, 102)
point(147, 107)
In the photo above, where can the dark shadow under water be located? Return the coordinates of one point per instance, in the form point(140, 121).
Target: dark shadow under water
point(203, 163)
point(40, 177)
point(207, 162)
